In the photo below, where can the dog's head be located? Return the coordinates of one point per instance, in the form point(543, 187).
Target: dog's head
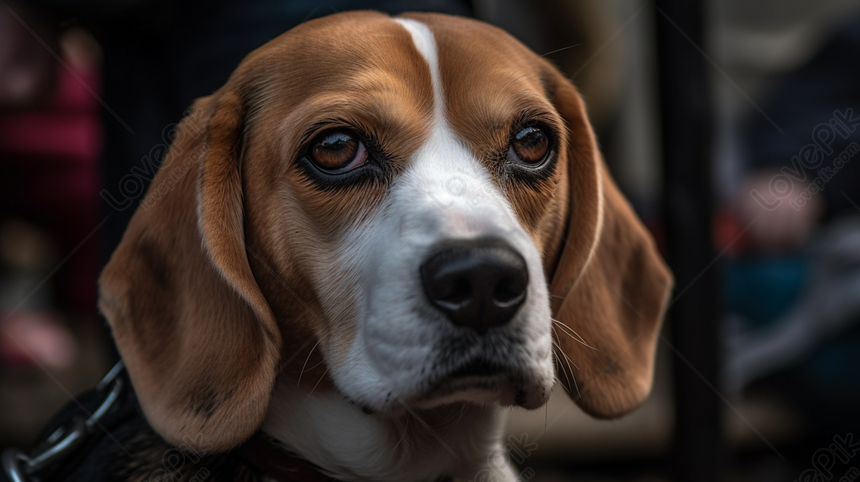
point(406, 211)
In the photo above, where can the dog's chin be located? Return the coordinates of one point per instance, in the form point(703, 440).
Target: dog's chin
point(479, 390)
point(503, 389)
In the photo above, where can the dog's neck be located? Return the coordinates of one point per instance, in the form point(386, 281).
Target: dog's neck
point(458, 440)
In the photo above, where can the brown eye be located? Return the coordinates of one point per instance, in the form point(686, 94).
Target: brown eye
point(529, 145)
point(338, 151)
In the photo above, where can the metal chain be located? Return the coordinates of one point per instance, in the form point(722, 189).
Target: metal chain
point(20, 467)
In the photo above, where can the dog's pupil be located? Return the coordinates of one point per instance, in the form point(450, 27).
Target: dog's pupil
point(335, 150)
point(530, 144)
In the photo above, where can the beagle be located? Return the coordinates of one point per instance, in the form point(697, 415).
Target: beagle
point(378, 234)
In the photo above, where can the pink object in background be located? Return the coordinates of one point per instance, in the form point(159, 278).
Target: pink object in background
point(49, 172)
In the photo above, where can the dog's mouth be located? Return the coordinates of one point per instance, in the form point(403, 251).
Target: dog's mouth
point(494, 369)
point(477, 381)
point(478, 369)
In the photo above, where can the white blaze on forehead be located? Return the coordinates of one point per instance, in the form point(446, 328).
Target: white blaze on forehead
point(445, 162)
point(425, 42)
point(444, 159)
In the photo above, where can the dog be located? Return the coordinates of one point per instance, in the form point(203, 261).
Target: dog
point(378, 234)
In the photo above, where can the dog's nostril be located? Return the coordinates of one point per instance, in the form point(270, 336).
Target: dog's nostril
point(510, 290)
point(457, 292)
point(476, 283)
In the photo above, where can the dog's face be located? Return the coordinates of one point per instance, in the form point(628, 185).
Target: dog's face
point(418, 221)
point(408, 212)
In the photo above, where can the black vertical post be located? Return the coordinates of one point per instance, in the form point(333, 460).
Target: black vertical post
point(699, 453)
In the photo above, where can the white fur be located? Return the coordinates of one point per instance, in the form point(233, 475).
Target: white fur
point(351, 445)
point(388, 366)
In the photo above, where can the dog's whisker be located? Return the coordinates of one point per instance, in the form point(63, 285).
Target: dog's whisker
point(322, 361)
point(569, 362)
point(578, 393)
point(402, 435)
point(315, 386)
point(558, 345)
point(573, 375)
point(545, 416)
point(306, 362)
point(573, 334)
point(558, 362)
point(455, 420)
point(460, 417)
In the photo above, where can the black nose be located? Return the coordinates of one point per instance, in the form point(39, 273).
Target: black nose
point(477, 283)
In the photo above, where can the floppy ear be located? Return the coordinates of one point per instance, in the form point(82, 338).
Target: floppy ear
point(196, 334)
point(610, 285)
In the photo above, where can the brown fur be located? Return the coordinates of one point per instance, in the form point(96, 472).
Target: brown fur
point(214, 292)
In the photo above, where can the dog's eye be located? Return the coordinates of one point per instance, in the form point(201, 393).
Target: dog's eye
point(529, 145)
point(338, 151)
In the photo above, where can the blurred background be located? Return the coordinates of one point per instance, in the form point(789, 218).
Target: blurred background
point(731, 125)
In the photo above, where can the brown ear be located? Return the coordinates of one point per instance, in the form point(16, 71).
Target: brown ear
point(197, 336)
point(610, 285)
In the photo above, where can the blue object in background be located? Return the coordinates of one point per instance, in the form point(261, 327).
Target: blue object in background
point(760, 289)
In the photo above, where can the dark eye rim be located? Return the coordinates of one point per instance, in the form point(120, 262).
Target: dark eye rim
point(371, 170)
point(548, 158)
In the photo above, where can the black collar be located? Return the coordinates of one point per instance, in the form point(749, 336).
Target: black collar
point(79, 427)
point(264, 455)
point(64, 448)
